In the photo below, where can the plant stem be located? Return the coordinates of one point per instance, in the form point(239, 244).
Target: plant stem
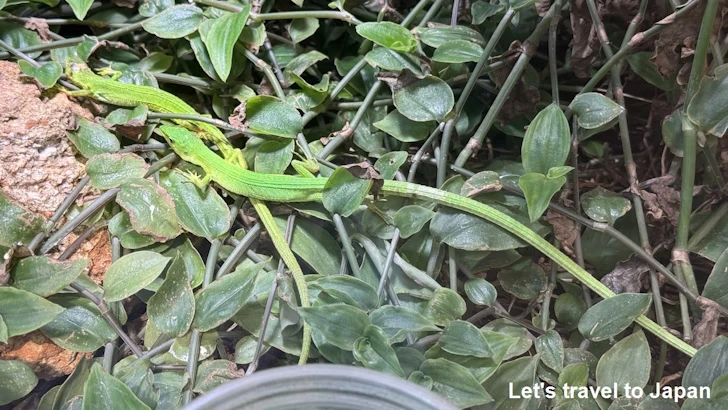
point(529, 48)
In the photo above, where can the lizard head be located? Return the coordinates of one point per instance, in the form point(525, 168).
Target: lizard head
point(75, 71)
point(183, 141)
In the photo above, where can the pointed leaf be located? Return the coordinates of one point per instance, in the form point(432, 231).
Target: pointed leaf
point(105, 392)
point(611, 316)
point(131, 273)
point(24, 312)
point(709, 107)
point(16, 380)
point(374, 352)
point(174, 22)
point(93, 139)
point(47, 74)
point(111, 170)
point(404, 129)
point(455, 383)
point(398, 321)
point(80, 327)
point(627, 362)
point(204, 214)
point(172, 307)
point(16, 224)
point(341, 324)
point(605, 206)
point(389, 35)
point(301, 29)
point(458, 52)
point(547, 141)
point(221, 37)
point(224, 297)
point(343, 192)
point(464, 339)
point(44, 277)
point(551, 348)
point(708, 364)
point(594, 110)
point(480, 291)
point(411, 219)
point(538, 190)
point(151, 209)
point(267, 115)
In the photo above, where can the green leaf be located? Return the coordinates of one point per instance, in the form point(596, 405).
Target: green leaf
point(120, 227)
point(105, 392)
point(16, 380)
point(672, 133)
point(301, 29)
point(180, 349)
point(547, 141)
point(221, 37)
point(150, 208)
point(708, 364)
point(131, 273)
point(174, 22)
point(108, 171)
point(480, 291)
point(482, 182)
point(139, 378)
point(132, 118)
point(348, 289)
point(551, 348)
point(445, 306)
point(404, 129)
point(224, 297)
point(80, 7)
point(605, 206)
point(538, 190)
point(169, 385)
point(267, 115)
point(455, 383)
point(716, 288)
point(427, 99)
point(524, 280)
point(315, 245)
point(214, 373)
point(508, 328)
point(390, 60)
point(80, 327)
point(708, 109)
point(16, 224)
point(245, 349)
point(44, 277)
point(204, 214)
point(155, 62)
point(643, 67)
point(398, 321)
point(273, 157)
point(301, 63)
point(457, 52)
point(464, 339)
point(19, 37)
point(611, 316)
point(4, 336)
point(481, 10)
point(520, 4)
point(172, 307)
point(512, 377)
point(389, 163)
point(594, 110)
point(47, 74)
point(440, 34)
point(343, 192)
point(471, 233)
point(70, 394)
point(411, 219)
point(92, 139)
point(627, 362)
point(389, 35)
point(24, 312)
point(341, 324)
point(569, 308)
point(374, 352)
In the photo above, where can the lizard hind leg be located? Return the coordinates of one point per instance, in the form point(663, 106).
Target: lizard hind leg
point(194, 178)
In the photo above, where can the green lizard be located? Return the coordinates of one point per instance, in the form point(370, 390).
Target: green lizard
point(289, 188)
point(113, 92)
point(110, 91)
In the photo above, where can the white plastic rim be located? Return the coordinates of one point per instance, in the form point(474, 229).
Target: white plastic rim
point(320, 387)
